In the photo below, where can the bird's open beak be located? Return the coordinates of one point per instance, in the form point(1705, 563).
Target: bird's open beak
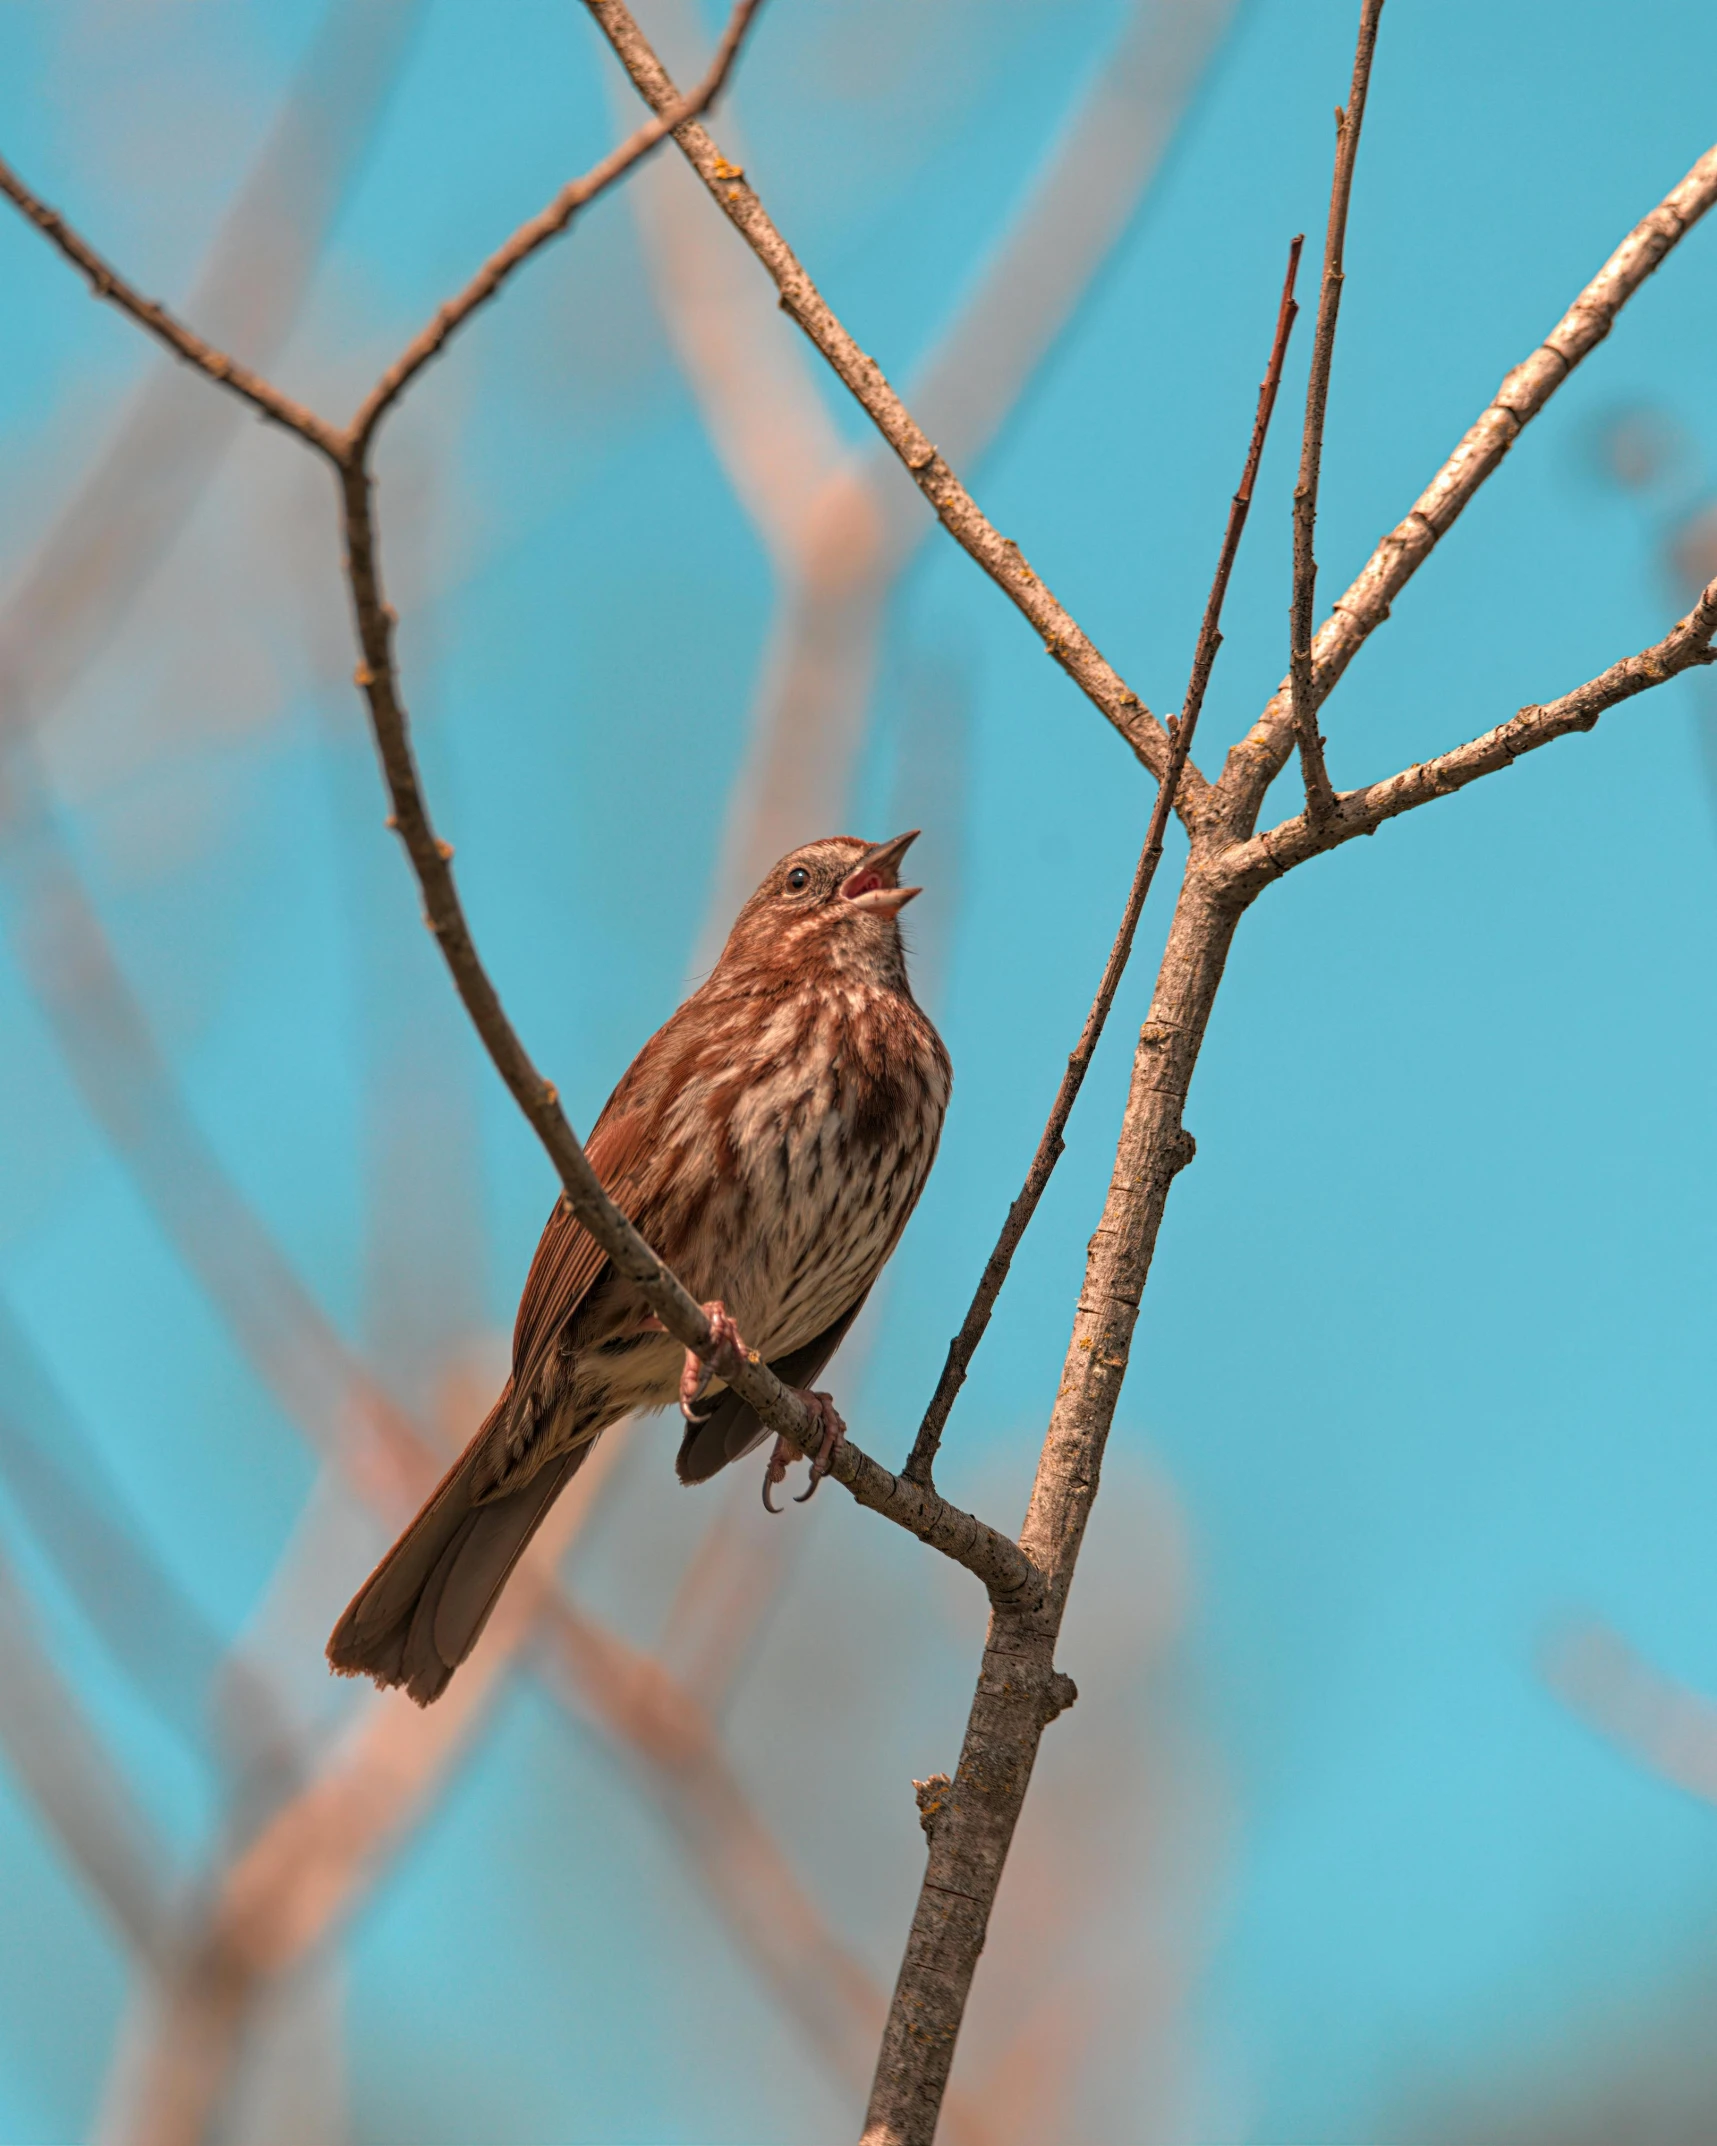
point(873, 884)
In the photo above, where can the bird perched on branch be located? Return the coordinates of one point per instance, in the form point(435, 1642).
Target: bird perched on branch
point(770, 1142)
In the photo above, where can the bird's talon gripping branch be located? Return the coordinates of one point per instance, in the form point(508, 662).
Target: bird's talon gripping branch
point(782, 1454)
point(726, 1352)
point(834, 1430)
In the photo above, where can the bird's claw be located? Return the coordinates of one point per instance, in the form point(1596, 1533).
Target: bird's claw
point(822, 1406)
point(725, 1354)
point(776, 1472)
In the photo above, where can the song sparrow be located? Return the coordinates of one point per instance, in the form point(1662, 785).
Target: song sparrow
point(770, 1141)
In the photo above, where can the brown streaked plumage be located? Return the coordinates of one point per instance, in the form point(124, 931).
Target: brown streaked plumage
point(770, 1141)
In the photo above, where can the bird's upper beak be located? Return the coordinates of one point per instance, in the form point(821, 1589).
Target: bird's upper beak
point(873, 884)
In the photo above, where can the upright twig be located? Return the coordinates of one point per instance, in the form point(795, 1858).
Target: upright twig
point(1320, 798)
point(921, 1464)
point(1254, 763)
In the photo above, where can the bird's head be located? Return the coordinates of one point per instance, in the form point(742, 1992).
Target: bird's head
point(833, 905)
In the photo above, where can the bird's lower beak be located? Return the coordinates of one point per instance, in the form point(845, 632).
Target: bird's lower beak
point(873, 884)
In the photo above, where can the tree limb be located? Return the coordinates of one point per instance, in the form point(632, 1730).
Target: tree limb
point(344, 447)
point(1320, 798)
point(531, 237)
point(106, 282)
point(1247, 867)
point(996, 1561)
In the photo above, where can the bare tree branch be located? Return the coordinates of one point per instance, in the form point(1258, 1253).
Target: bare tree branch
point(143, 487)
point(1249, 866)
point(1254, 763)
point(106, 282)
point(1020, 1690)
point(343, 447)
point(954, 506)
point(531, 237)
point(842, 526)
point(1320, 799)
point(921, 1465)
point(958, 1535)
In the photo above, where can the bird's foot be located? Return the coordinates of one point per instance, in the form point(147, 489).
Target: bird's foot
point(822, 1406)
point(725, 1354)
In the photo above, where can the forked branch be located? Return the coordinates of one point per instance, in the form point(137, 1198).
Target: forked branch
point(1320, 798)
point(1256, 761)
point(530, 237)
point(1249, 866)
point(344, 447)
point(1002, 1567)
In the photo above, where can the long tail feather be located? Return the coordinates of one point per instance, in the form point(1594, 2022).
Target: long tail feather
point(423, 1609)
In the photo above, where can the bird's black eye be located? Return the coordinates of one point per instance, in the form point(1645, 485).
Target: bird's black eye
point(798, 879)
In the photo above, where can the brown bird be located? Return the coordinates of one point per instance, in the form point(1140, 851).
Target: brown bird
point(770, 1142)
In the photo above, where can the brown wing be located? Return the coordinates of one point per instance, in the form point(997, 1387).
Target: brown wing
point(569, 1261)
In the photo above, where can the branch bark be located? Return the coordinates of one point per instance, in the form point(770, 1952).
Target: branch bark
point(841, 526)
point(999, 557)
point(1320, 799)
point(1246, 868)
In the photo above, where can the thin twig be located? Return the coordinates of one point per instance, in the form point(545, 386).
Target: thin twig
point(341, 447)
point(1260, 756)
point(106, 282)
point(1000, 558)
point(1247, 867)
point(530, 237)
point(1320, 798)
point(961, 1349)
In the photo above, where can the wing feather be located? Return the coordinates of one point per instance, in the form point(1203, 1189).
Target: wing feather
point(569, 1262)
